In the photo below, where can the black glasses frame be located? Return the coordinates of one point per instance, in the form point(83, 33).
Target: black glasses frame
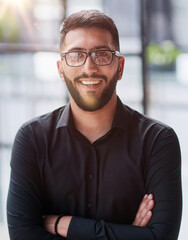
point(116, 53)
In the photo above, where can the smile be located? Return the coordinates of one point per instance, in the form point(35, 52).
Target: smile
point(90, 83)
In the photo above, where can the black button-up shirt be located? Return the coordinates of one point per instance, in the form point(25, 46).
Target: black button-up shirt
point(56, 170)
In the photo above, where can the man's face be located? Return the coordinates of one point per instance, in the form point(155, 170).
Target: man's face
point(91, 86)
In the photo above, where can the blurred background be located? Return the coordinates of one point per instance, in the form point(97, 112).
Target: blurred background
point(153, 39)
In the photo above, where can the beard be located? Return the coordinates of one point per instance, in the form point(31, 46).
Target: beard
point(91, 102)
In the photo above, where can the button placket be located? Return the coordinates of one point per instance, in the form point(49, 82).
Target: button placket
point(92, 184)
point(91, 176)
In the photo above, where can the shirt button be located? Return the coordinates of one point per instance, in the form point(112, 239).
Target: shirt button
point(91, 176)
point(90, 205)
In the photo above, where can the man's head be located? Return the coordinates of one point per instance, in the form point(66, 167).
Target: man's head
point(88, 19)
point(90, 64)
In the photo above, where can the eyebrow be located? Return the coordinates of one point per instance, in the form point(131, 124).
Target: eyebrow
point(92, 49)
point(100, 47)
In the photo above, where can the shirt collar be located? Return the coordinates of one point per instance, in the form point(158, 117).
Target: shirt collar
point(121, 118)
point(65, 119)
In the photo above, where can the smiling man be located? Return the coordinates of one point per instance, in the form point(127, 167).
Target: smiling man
point(95, 168)
point(92, 87)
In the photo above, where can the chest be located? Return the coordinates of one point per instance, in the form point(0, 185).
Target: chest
point(98, 181)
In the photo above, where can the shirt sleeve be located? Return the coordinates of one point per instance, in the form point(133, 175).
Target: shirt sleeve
point(162, 176)
point(25, 203)
point(163, 179)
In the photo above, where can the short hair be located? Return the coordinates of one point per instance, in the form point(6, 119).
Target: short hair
point(87, 19)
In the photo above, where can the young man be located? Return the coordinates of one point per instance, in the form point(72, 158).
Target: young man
point(95, 168)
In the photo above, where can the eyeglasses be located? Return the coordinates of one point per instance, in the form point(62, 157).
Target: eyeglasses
point(101, 57)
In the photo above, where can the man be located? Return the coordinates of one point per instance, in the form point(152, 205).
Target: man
point(95, 168)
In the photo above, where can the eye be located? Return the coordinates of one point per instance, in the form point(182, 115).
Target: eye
point(81, 55)
point(101, 53)
point(75, 57)
point(76, 54)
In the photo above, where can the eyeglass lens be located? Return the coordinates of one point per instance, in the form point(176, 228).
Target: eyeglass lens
point(79, 58)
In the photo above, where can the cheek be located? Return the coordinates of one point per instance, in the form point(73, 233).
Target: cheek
point(114, 72)
point(109, 71)
point(70, 72)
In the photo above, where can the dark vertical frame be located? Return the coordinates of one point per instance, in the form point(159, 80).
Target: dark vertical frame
point(143, 35)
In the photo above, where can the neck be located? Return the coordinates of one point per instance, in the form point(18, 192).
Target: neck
point(96, 124)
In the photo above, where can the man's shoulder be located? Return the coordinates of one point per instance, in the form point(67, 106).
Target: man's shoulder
point(146, 131)
point(143, 122)
point(47, 120)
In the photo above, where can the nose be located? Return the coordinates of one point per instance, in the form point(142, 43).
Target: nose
point(89, 65)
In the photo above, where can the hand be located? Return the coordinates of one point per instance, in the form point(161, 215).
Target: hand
point(144, 212)
point(62, 227)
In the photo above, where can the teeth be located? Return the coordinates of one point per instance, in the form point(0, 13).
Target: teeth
point(90, 82)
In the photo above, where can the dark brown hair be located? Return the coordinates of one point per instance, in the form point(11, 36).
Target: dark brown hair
point(86, 19)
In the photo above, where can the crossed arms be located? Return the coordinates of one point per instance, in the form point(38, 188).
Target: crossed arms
point(142, 218)
point(24, 207)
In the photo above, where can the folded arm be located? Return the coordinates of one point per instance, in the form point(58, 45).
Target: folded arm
point(142, 218)
point(163, 180)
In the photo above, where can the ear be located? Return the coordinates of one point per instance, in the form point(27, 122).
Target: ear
point(121, 67)
point(60, 70)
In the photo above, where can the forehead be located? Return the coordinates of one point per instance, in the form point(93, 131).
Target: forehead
point(87, 39)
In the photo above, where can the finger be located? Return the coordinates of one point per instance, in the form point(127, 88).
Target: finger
point(146, 210)
point(146, 205)
point(149, 206)
point(144, 202)
point(146, 219)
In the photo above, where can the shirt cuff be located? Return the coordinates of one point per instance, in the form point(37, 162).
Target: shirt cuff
point(82, 229)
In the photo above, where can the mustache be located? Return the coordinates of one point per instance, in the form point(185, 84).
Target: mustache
point(93, 75)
